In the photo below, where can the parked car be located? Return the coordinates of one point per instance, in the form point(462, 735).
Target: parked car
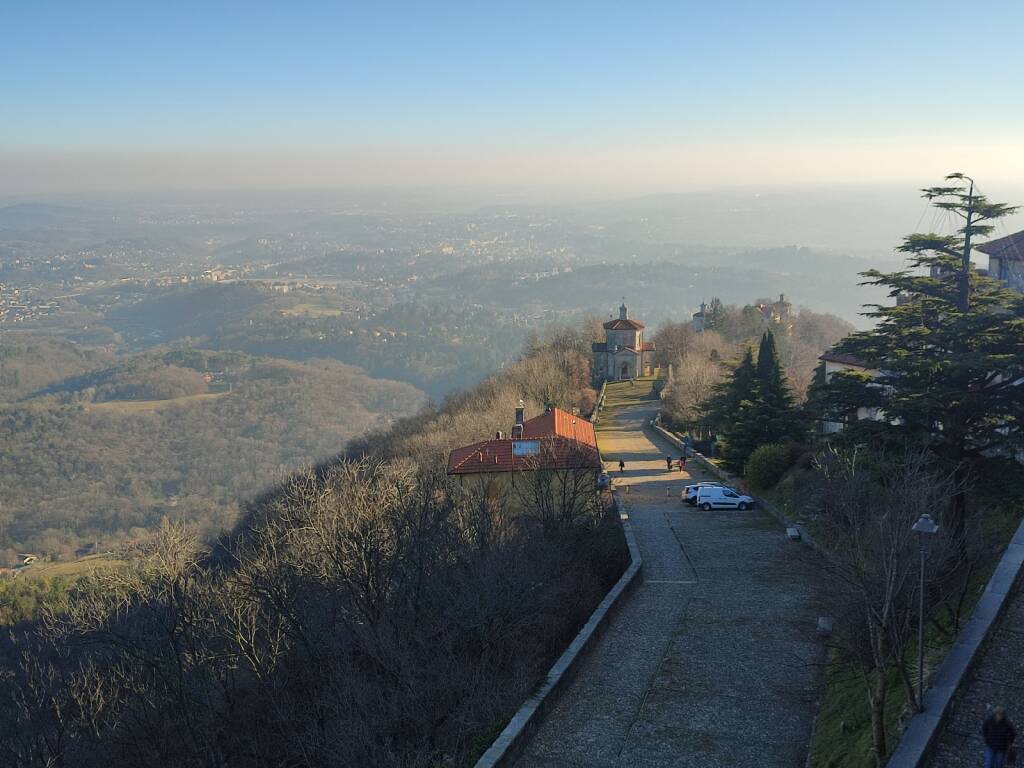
point(689, 494)
point(721, 497)
point(603, 481)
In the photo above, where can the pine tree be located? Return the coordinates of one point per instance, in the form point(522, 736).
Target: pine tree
point(949, 351)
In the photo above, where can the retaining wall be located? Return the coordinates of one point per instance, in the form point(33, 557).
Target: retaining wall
point(511, 740)
point(918, 741)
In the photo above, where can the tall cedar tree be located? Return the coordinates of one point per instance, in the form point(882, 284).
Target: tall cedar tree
point(754, 407)
point(949, 352)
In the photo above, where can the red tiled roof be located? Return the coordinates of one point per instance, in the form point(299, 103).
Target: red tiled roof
point(624, 325)
point(554, 440)
point(1010, 247)
point(559, 423)
point(648, 346)
point(844, 358)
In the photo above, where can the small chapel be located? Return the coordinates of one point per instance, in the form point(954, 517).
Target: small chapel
point(624, 353)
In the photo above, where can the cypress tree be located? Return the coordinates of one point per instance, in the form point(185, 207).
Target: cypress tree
point(731, 411)
point(754, 407)
point(775, 419)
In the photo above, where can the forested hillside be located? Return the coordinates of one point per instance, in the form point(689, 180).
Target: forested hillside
point(103, 456)
point(369, 614)
point(29, 363)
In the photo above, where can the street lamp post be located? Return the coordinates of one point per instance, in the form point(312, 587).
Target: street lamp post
point(924, 527)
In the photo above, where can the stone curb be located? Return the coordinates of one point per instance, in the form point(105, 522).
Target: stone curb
point(511, 740)
point(919, 738)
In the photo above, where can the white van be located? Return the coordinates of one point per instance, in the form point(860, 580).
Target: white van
point(689, 494)
point(720, 497)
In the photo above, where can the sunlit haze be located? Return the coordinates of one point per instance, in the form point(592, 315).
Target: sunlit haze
point(629, 97)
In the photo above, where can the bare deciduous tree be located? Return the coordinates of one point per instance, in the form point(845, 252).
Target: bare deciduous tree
point(869, 504)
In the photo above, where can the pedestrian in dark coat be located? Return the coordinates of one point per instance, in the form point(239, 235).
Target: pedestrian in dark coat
point(622, 466)
point(999, 735)
point(668, 463)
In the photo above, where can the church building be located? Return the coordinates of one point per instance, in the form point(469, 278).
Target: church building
point(624, 353)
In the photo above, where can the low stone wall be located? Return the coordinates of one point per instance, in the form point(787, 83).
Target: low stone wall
point(511, 740)
point(600, 403)
point(914, 748)
point(705, 462)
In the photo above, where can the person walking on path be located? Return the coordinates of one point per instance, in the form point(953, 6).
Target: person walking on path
point(681, 463)
point(668, 463)
point(622, 466)
point(999, 735)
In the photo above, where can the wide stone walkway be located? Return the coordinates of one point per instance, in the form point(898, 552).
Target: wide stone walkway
point(713, 660)
point(998, 680)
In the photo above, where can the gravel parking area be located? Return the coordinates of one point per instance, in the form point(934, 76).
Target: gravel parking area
point(713, 659)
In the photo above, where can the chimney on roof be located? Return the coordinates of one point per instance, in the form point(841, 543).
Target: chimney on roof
point(517, 428)
point(497, 435)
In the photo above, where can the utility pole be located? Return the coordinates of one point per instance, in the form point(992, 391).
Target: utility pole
point(965, 267)
point(924, 527)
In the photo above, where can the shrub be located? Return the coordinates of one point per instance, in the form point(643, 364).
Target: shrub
point(767, 464)
point(588, 401)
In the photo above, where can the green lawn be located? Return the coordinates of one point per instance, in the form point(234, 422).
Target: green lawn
point(312, 310)
point(70, 569)
point(137, 406)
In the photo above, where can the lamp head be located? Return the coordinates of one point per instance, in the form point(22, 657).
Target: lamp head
point(925, 525)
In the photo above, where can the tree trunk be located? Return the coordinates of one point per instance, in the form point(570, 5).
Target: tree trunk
point(877, 699)
point(908, 684)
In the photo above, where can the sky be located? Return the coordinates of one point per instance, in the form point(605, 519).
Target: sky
point(637, 95)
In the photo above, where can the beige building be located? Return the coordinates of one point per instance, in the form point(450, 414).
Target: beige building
point(1006, 260)
point(548, 464)
point(836, 362)
point(624, 353)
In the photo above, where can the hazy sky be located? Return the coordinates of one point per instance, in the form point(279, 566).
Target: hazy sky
point(108, 95)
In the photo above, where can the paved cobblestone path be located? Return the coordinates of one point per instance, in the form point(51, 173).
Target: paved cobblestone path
point(997, 680)
point(712, 661)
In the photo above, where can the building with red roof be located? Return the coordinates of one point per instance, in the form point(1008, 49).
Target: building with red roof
point(554, 440)
point(624, 354)
point(549, 462)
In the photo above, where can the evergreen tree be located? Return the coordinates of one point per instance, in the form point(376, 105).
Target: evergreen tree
point(754, 407)
point(731, 409)
point(774, 418)
point(947, 355)
point(714, 315)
